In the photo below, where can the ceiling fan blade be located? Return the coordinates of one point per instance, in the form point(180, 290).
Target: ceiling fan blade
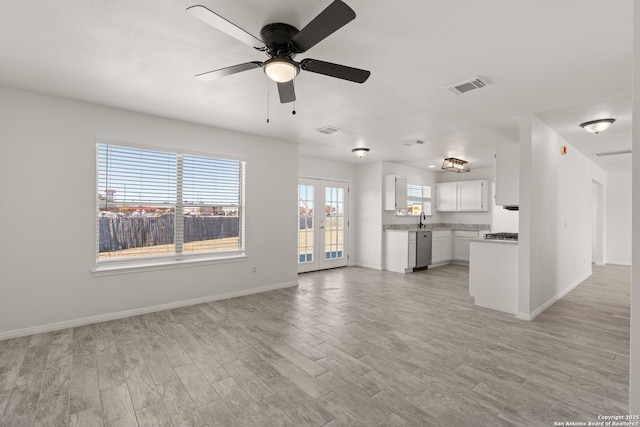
point(218, 22)
point(335, 70)
point(287, 92)
point(334, 17)
point(210, 75)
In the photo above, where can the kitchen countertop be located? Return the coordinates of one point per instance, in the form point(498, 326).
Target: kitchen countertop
point(438, 226)
point(498, 241)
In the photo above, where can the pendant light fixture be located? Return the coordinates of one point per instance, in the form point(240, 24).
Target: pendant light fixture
point(360, 151)
point(455, 165)
point(597, 126)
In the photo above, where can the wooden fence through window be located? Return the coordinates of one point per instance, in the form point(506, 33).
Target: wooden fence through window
point(117, 233)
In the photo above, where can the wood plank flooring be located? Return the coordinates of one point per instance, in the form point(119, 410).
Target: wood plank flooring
point(347, 347)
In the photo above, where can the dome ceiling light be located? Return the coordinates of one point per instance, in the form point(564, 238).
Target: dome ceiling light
point(360, 151)
point(597, 126)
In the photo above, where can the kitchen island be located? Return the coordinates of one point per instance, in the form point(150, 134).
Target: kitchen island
point(493, 274)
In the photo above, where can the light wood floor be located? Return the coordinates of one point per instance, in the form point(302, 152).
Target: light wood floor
point(347, 347)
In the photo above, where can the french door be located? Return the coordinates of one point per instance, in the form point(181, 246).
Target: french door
point(323, 225)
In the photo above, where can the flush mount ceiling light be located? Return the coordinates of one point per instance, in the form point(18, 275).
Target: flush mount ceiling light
point(281, 69)
point(455, 165)
point(597, 126)
point(360, 151)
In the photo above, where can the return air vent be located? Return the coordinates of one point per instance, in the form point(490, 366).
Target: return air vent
point(328, 130)
point(414, 142)
point(467, 85)
point(612, 153)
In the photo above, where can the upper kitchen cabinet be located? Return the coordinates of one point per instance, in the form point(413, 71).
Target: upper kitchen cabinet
point(395, 193)
point(507, 172)
point(447, 196)
point(462, 196)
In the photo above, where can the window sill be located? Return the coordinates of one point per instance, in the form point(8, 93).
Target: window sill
point(126, 267)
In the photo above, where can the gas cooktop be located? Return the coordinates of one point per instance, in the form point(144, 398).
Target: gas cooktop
point(501, 236)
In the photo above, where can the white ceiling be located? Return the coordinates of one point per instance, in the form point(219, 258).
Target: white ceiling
point(567, 61)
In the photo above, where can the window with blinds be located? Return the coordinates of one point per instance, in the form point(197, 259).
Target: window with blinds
point(155, 203)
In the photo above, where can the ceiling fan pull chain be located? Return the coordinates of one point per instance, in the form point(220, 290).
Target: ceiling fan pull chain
point(267, 80)
point(294, 101)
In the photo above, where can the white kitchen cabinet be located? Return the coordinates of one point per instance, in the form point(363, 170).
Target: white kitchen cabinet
point(462, 243)
point(462, 196)
point(472, 195)
point(447, 196)
point(507, 175)
point(441, 246)
point(395, 193)
point(411, 255)
point(399, 251)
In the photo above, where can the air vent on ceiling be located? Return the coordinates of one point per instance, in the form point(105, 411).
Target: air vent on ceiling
point(328, 130)
point(467, 85)
point(414, 142)
point(612, 153)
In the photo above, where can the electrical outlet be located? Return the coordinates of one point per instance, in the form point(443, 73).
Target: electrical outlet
point(254, 270)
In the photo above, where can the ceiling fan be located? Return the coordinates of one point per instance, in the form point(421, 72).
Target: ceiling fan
point(281, 43)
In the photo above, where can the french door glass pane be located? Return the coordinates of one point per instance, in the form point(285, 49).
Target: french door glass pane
point(334, 223)
point(305, 223)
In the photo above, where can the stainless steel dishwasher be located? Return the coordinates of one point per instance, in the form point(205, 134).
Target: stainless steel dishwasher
point(423, 249)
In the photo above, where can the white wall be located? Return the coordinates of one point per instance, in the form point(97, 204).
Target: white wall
point(555, 216)
point(47, 188)
point(311, 167)
point(634, 368)
point(619, 215)
point(369, 215)
point(468, 217)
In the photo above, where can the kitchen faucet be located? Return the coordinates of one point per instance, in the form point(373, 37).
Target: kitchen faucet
point(422, 216)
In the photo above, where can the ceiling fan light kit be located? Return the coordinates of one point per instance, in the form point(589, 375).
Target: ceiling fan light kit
point(281, 70)
point(281, 43)
point(597, 126)
point(455, 165)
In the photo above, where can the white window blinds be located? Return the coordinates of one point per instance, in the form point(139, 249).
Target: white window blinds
point(157, 203)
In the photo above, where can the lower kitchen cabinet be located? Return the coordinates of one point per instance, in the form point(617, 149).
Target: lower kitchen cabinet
point(441, 246)
point(399, 251)
point(447, 245)
point(453, 245)
point(462, 243)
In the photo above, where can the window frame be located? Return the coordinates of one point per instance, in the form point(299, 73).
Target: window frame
point(123, 265)
point(422, 200)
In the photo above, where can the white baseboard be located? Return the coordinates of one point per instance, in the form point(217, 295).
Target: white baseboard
point(439, 264)
point(551, 301)
point(614, 262)
point(371, 266)
point(138, 311)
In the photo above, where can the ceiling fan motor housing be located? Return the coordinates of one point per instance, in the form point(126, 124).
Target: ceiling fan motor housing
point(277, 38)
